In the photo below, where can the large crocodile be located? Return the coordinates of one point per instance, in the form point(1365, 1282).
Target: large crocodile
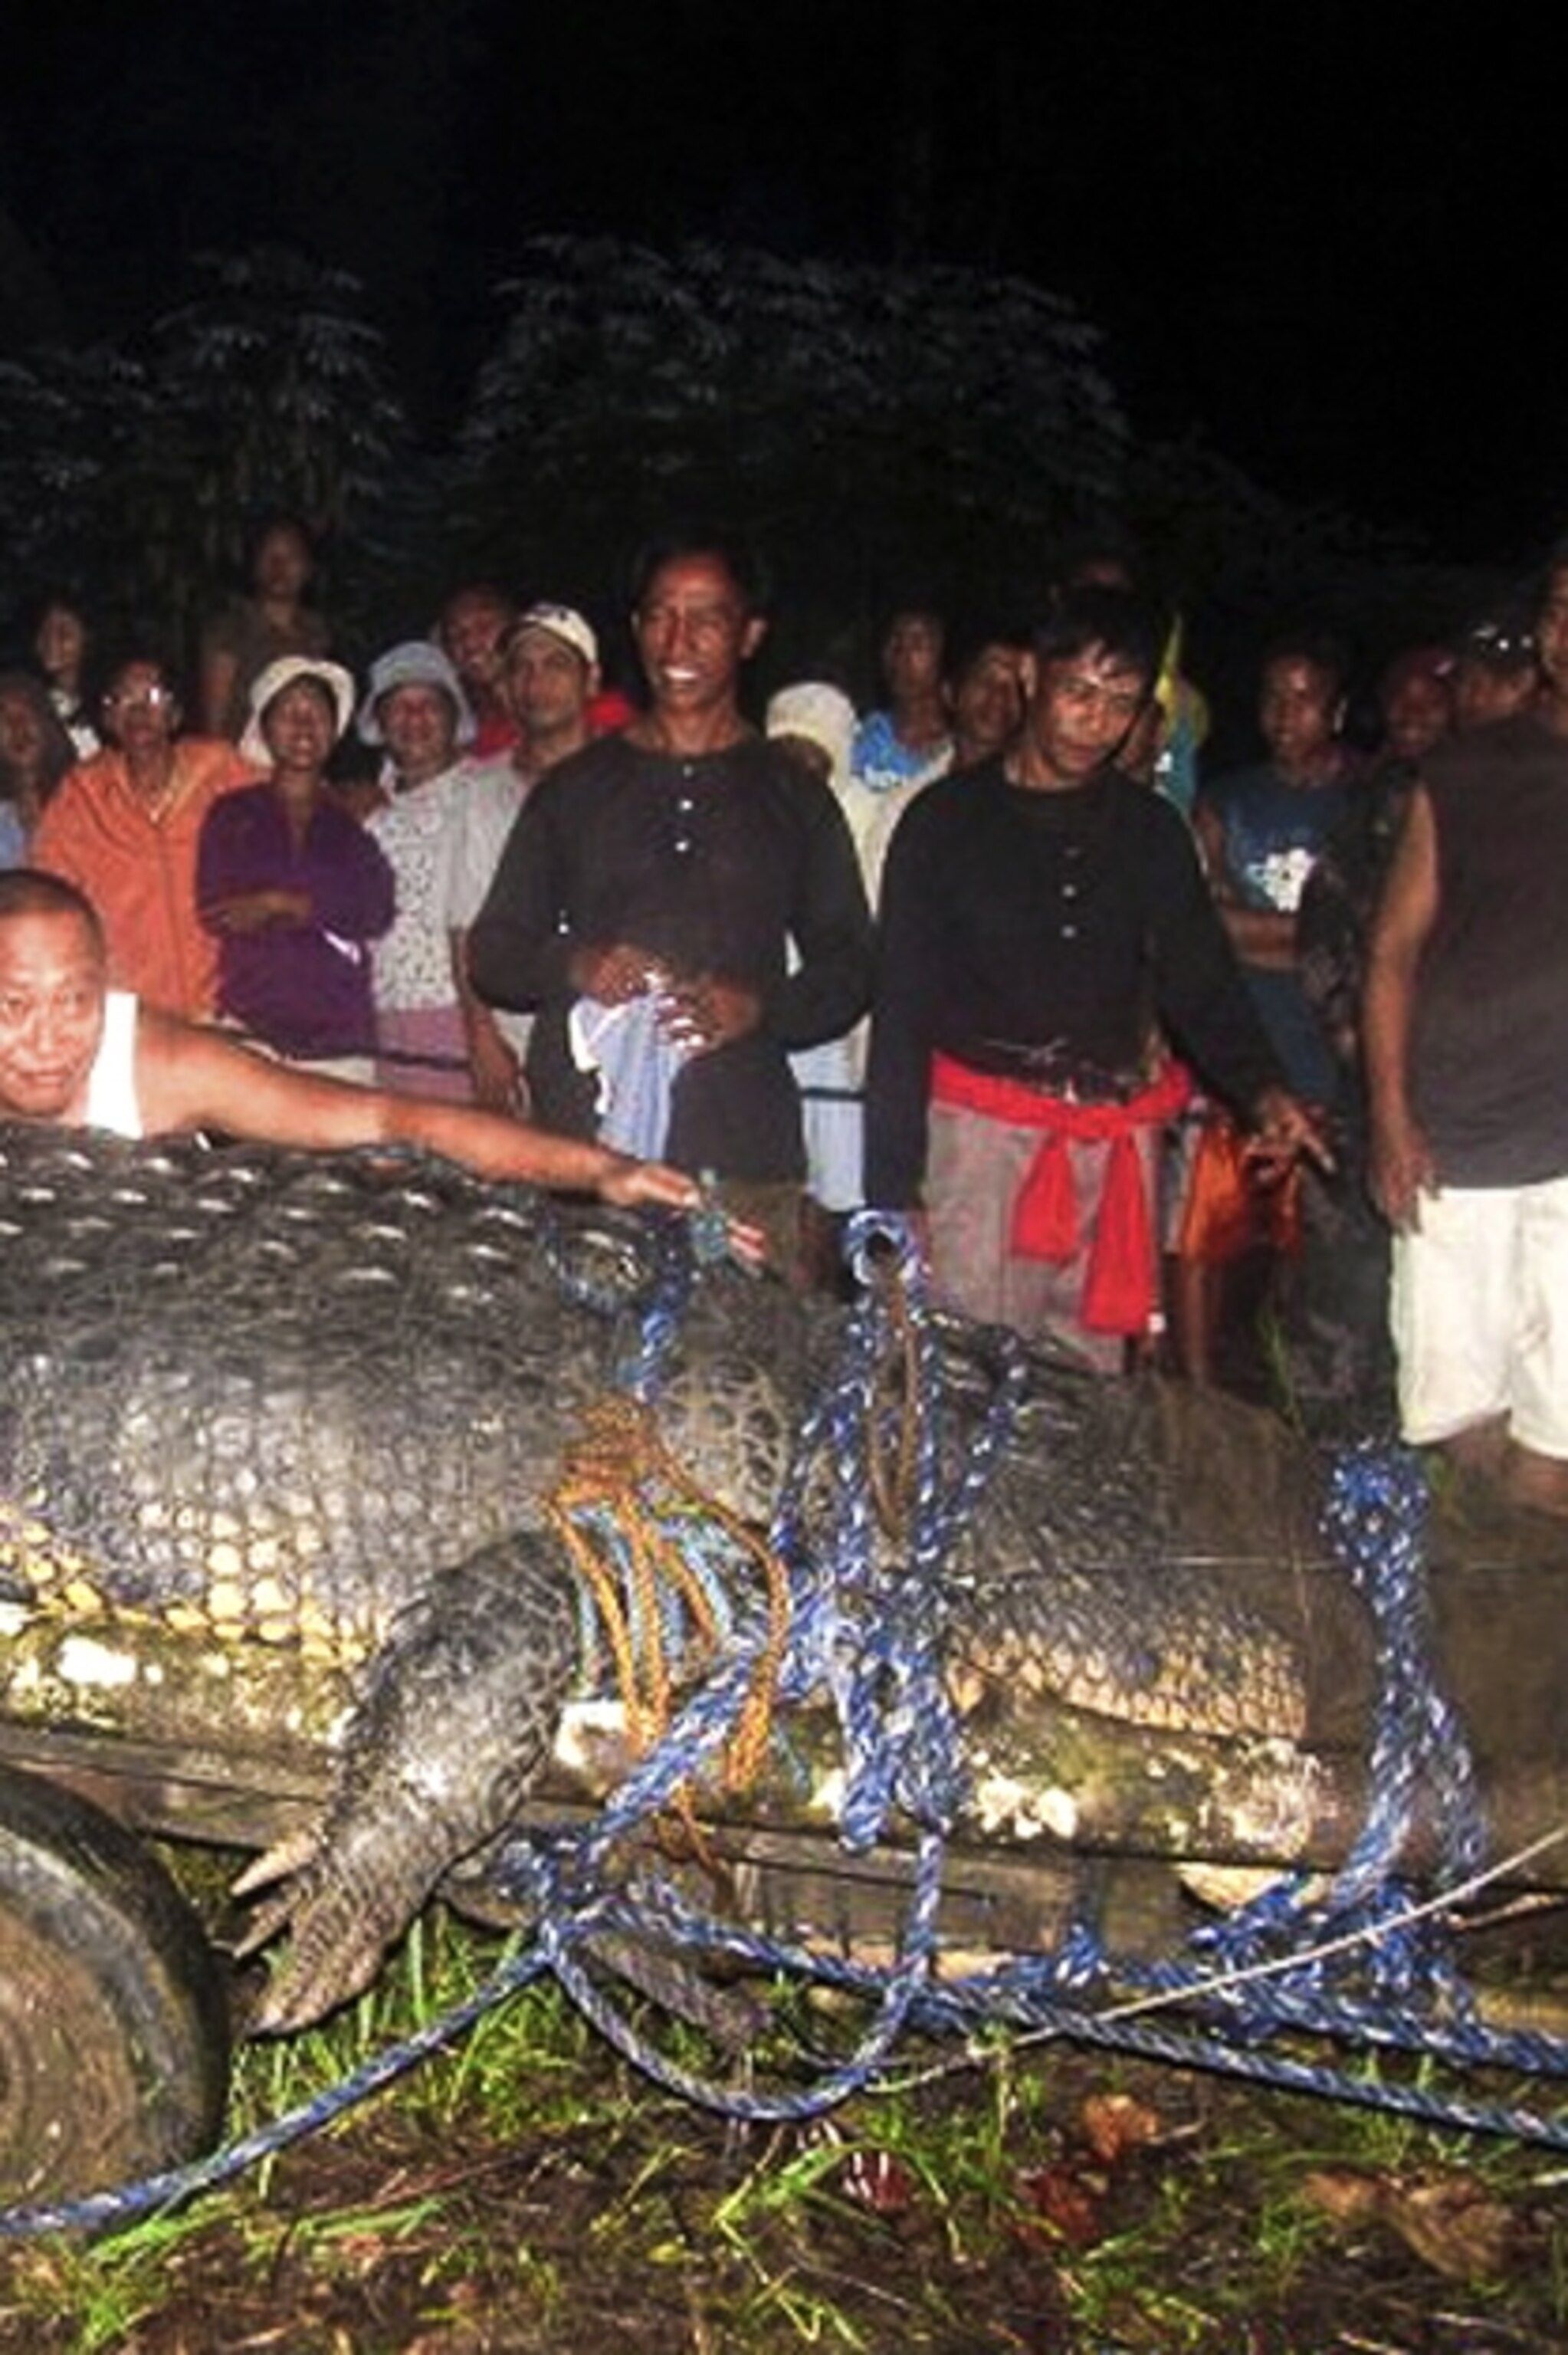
point(277, 1435)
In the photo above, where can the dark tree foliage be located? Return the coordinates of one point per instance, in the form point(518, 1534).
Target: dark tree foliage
point(880, 432)
point(70, 422)
point(137, 472)
point(864, 424)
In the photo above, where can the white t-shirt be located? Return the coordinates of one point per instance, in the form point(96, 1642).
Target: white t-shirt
point(475, 839)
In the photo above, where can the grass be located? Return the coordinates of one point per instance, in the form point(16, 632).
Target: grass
point(525, 2189)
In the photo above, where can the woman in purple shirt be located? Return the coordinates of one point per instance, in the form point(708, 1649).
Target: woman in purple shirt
point(292, 885)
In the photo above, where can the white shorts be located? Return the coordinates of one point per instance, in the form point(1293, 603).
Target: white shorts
point(1479, 1310)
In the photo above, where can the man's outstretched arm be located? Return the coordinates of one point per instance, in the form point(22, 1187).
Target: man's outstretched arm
point(188, 1078)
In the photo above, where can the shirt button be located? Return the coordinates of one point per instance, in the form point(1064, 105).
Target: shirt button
point(1069, 890)
point(683, 844)
point(1069, 931)
point(686, 804)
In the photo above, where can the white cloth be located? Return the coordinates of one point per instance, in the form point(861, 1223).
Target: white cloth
point(1478, 1308)
point(636, 1066)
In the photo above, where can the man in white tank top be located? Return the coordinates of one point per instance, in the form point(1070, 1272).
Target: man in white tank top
point(73, 1052)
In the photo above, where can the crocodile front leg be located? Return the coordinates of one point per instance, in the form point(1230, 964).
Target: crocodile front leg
point(457, 1721)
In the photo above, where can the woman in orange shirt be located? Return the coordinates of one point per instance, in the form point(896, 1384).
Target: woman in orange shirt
point(123, 827)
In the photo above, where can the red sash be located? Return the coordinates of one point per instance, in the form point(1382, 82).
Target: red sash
point(1121, 1288)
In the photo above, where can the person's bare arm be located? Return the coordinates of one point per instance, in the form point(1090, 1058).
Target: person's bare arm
point(1260, 936)
point(497, 1072)
point(188, 1078)
point(220, 669)
point(271, 908)
point(1402, 1164)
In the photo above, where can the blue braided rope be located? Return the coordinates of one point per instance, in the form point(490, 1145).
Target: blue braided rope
point(869, 1633)
point(896, 1995)
point(1376, 1516)
point(663, 1306)
point(1421, 1774)
point(710, 1556)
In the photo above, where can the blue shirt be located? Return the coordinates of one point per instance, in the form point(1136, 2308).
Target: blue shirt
point(1274, 834)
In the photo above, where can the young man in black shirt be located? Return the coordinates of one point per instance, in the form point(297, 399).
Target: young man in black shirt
point(1041, 913)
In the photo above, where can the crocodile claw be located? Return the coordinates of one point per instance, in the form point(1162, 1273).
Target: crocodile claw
point(457, 1718)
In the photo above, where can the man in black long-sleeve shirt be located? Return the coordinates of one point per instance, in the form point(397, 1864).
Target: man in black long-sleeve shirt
point(680, 862)
point(1039, 913)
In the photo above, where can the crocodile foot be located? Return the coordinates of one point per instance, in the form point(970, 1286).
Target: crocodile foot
point(458, 1719)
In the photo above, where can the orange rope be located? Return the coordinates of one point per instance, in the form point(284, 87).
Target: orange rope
point(895, 1390)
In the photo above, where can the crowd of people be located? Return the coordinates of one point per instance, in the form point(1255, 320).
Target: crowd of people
point(1122, 1036)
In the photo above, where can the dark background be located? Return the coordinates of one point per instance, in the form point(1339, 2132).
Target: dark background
point(1314, 237)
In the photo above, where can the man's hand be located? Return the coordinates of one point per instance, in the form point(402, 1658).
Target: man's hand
point(616, 975)
point(1283, 1130)
point(1402, 1169)
point(706, 1012)
point(497, 1074)
point(636, 1185)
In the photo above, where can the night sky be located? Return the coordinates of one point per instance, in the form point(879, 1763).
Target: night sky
point(1310, 237)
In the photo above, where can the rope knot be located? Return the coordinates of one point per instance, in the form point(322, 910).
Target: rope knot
point(640, 1534)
